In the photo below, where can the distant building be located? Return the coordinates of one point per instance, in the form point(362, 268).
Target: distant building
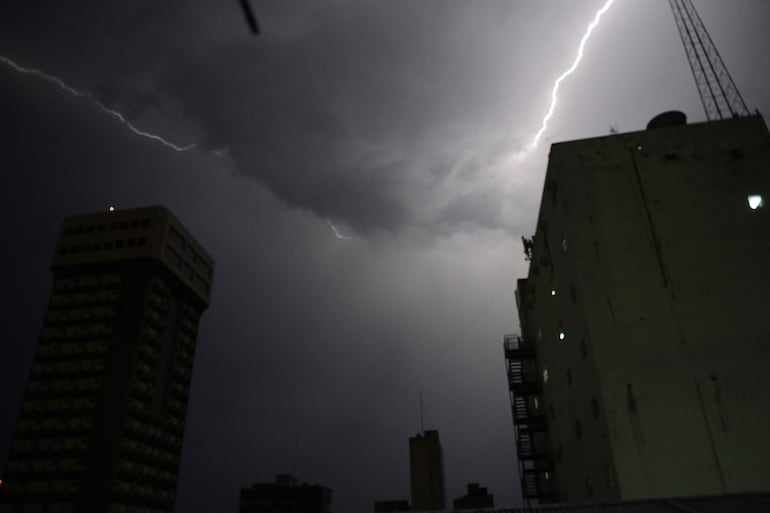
point(393, 506)
point(426, 464)
point(641, 368)
point(285, 496)
point(103, 415)
point(477, 497)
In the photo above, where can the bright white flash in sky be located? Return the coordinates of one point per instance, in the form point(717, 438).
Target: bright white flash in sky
point(567, 73)
point(337, 232)
point(100, 105)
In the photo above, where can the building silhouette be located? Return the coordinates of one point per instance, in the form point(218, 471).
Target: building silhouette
point(102, 419)
point(392, 506)
point(476, 498)
point(641, 368)
point(426, 465)
point(285, 496)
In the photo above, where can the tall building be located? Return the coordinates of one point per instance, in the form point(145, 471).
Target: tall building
point(426, 465)
point(102, 419)
point(286, 495)
point(641, 368)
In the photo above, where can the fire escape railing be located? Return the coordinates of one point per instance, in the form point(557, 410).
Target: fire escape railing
point(530, 424)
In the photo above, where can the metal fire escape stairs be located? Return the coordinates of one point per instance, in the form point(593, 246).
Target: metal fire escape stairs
point(529, 421)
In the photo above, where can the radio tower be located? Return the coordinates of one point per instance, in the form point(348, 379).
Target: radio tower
point(718, 93)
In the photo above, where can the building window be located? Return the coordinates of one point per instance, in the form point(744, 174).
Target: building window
point(142, 241)
point(173, 257)
point(564, 245)
point(131, 243)
point(119, 244)
point(545, 375)
point(176, 237)
point(113, 226)
point(755, 201)
point(135, 223)
point(90, 228)
point(108, 244)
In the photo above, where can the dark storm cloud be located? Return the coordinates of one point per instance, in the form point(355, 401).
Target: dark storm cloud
point(337, 116)
point(339, 109)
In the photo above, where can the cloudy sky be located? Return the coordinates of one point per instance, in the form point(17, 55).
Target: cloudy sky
point(400, 124)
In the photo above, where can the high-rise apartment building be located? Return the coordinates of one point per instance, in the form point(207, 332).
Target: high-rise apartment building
point(426, 465)
point(103, 414)
point(641, 369)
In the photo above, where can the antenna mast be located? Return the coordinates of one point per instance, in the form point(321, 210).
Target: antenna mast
point(718, 93)
point(422, 430)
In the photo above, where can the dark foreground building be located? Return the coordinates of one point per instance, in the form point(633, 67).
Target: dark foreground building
point(477, 497)
point(285, 496)
point(641, 368)
point(392, 506)
point(102, 419)
point(426, 470)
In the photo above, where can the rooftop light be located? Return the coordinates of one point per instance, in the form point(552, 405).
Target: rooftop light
point(755, 201)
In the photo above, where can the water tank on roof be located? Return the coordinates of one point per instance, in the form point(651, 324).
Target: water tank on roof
point(667, 119)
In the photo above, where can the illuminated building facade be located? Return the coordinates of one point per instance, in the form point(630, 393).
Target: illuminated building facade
point(641, 368)
point(426, 465)
point(102, 419)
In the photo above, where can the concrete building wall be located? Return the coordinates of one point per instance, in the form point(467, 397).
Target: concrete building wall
point(660, 271)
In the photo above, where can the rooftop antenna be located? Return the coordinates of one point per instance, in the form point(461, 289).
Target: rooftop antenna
point(422, 430)
point(718, 93)
point(294, 459)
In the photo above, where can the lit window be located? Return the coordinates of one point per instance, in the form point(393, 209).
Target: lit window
point(545, 375)
point(537, 404)
point(547, 475)
point(553, 292)
point(755, 201)
point(562, 335)
point(564, 244)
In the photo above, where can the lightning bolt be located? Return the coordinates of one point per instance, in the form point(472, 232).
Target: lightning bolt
point(569, 71)
point(100, 105)
point(337, 232)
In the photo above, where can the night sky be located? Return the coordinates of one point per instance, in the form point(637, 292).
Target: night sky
point(401, 125)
